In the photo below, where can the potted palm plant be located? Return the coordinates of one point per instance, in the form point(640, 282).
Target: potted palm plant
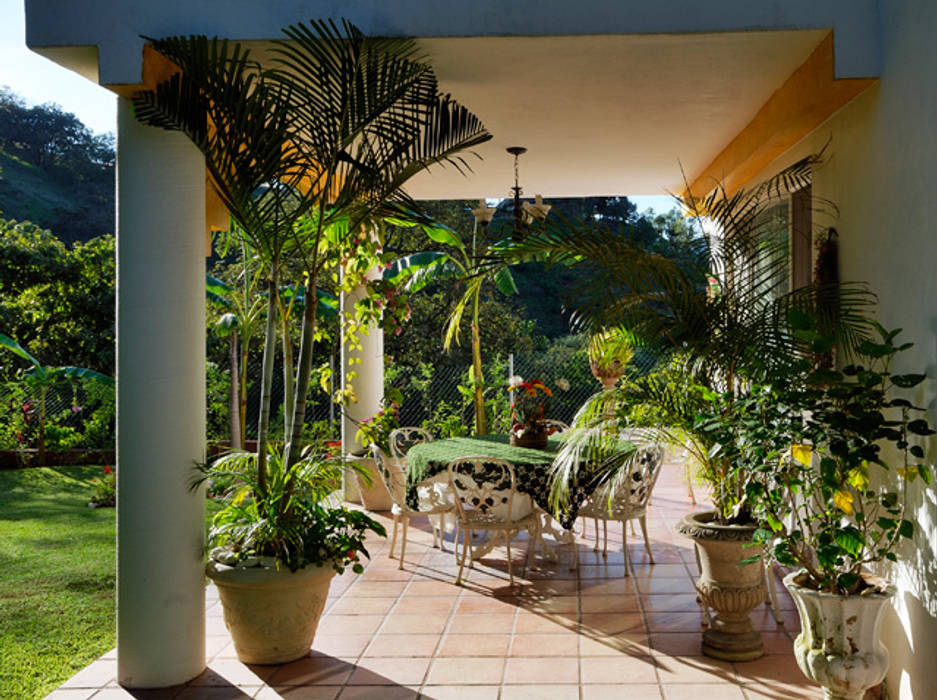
point(609, 352)
point(708, 337)
point(306, 156)
point(814, 446)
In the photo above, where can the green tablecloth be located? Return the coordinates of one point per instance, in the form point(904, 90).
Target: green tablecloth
point(426, 458)
point(531, 467)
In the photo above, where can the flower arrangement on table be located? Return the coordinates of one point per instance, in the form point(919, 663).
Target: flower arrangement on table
point(530, 407)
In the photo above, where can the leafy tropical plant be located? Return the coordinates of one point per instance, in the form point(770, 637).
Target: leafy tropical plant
point(40, 379)
point(299, 521)
point(308, 156)
point(808, 443)
point(722, 336)
point(475, 268)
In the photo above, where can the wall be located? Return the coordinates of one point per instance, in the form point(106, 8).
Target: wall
point(881, 174)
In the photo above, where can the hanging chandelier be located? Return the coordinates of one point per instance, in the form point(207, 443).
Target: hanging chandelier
point(525, 213)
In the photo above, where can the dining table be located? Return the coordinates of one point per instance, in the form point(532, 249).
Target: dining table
point(429, 461)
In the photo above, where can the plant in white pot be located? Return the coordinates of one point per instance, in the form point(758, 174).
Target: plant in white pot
point(835, 455)
point(273, 557)
point(609, 352)
point(308, 153)
point(375, 430)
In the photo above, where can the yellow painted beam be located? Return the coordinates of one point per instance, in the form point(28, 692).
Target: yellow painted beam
point(805, 100)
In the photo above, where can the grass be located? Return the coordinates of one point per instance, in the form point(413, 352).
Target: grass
point(57, 577)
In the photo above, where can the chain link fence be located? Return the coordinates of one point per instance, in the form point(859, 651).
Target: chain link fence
point(438, 397)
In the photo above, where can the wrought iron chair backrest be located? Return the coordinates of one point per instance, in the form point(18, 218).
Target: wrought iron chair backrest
point(393, 476)
point(632, 493)
point(402, 439)
point(557, 425)
point(482, 484)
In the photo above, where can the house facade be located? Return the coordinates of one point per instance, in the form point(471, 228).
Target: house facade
point(626, 97)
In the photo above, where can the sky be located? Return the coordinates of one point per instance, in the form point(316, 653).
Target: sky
point(38, 81)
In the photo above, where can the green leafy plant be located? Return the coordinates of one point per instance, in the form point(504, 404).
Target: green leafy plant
point(376, 430)
point(298, 523)
point(40, 379)
point(810, 441)
point(610, 351)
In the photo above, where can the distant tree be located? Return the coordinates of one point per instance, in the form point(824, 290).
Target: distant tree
point(56, 301)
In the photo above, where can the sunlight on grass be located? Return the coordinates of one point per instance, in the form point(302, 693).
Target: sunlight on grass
point(57, 559)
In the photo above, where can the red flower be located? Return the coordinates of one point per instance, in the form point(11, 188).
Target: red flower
point(107, 469)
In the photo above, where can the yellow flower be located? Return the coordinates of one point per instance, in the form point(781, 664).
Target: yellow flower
point(843, 501)
point(907, 472)
point(802, 454)
point(859, 477)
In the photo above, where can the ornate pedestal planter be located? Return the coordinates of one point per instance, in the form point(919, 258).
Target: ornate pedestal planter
point(730, 590)
point(839, 648)
point(272, 614)
point(607, 375)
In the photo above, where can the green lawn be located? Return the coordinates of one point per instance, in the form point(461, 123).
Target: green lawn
point(56, 578)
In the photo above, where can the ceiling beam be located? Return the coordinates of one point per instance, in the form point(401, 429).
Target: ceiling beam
point(803, 102)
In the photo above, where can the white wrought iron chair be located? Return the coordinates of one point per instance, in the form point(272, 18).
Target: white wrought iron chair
point(402, 439)
point(486, 499)
point(557, 425)
point(626, 500)
point(431, 501)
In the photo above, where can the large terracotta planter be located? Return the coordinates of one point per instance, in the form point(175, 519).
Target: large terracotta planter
point(840, 646)
point(730, 590)
point(272, 614)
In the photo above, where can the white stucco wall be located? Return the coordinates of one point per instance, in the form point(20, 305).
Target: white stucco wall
point(882, 174)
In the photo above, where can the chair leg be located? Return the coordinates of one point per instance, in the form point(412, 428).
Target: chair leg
point(435, 534)
point(624, 547)
point(403, 543)
point(699, 599)
point(631, 522)
point(393, 538)
point(605, 539)
point(647, 544)
point(772, 593)
point(532, 547)
point(595, 522)
point(507, 536)
point(465, 547)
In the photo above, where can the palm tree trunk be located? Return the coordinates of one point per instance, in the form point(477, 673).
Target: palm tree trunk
point(294, 443)
point(234, 395)
point(481, 422)
point(287, 376)
point(270, 338)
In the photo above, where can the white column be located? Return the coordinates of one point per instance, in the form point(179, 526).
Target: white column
point(368, 385)
point(160, 405)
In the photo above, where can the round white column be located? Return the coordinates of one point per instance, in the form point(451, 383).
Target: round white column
point(368, 385)
point(160, 405)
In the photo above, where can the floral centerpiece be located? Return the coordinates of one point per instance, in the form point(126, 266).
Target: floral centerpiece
point(530, 407)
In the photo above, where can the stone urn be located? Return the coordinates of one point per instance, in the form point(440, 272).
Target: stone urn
point(731, 591)
point(608, 375)
point(272, 613)
point(839, 647)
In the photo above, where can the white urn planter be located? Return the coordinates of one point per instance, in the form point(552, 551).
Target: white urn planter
point(839, 647)
point(272, 614)
point(608, 375)
point(374, 496)
point(730, 590)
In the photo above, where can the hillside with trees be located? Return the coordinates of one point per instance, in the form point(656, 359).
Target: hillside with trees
point(54, 172)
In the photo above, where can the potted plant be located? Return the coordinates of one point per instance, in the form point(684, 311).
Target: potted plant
point(815, 448)
point(307, 162)
point(272, 558)
point(609, 351)
point(530, 407)
point(375, 430)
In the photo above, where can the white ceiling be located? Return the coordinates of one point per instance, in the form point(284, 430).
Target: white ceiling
point(609, 114)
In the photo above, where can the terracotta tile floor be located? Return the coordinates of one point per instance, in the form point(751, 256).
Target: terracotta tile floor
point(559, 634)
